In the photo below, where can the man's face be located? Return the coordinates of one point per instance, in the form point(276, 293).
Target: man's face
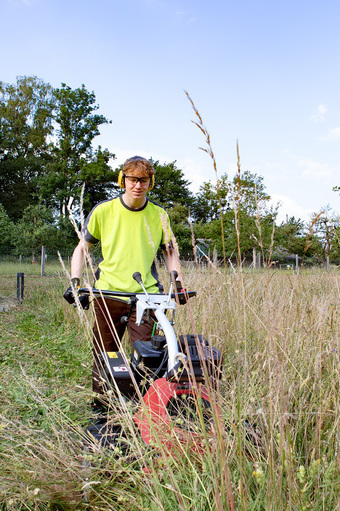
point(136, 184)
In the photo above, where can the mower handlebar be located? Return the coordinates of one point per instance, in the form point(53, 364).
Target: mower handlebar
point(117, 294)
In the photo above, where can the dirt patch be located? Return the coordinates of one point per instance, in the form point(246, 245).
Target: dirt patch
point(6, 303)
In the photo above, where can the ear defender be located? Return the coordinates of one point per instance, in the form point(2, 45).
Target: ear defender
point(121, 180)
point(152, 182)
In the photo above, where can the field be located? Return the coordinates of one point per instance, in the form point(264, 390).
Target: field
point(279, 334)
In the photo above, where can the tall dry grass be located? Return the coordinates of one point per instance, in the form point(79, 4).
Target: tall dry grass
point(279, 336)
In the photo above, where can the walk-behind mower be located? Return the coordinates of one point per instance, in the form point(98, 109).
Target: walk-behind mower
point(164, 378)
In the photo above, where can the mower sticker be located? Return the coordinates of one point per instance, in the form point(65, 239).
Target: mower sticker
point(112, 354)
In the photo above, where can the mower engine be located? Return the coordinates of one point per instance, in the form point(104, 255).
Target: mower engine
point(149, 362)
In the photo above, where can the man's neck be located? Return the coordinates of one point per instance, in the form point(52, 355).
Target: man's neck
point(133, 203)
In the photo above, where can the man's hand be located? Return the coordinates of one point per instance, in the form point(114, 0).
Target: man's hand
point(84, 300)
point(69, 293)
point(181, 299)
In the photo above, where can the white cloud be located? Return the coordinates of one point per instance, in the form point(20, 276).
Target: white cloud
point(334, 133)
point(183, 18)
point(320, 115)
point(195, 172)
point(288, 208)
point(316, 170)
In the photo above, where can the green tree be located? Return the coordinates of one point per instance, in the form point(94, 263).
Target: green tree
point(26, 112)
point(290, 238)
point(248, 193)
point(248, 221)
point(36, 228)
point(75, 161)
point(171, 187)
point(180, 225)
point(206, 206)
point(324, 240)
point(6, 231)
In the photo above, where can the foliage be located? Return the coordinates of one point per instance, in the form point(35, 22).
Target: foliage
point(171, 186)
point(325, 240)
point(206, 205)
point(290, 237)
point(248, 193)
point(6, 231)
point(26, 112)
point(248, 221)
point(74, 161)
point(180, 225)
point(34, 229)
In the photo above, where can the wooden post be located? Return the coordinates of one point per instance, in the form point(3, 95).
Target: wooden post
point(254, 258)
point(20, 287)
point(215, 258)
point(327, 263)
point(259, 260)
point(297, 263)
point(43, 254)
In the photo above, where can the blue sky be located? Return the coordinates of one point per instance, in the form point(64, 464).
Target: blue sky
point(264, 72)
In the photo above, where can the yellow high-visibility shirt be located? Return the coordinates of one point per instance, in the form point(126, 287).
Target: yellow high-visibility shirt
point(130, 240)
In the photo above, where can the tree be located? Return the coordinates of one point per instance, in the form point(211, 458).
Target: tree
point(36, 228)
point(172, 188)
point(75, 162)
point(248, 221)
point(206, 206)
point(6, 231)
point(324, 238)
point(26, 110)
point(290, 238)
point(248, 193)
point(99, 178)
point(180, 225)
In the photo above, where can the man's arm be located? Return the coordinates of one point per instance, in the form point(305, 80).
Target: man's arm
point(77, 266)
point(172, 261)
point(78, 258)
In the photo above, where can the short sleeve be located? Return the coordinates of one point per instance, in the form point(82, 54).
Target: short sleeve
point(91, 229)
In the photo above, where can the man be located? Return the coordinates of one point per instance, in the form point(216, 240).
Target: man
point(131, 229)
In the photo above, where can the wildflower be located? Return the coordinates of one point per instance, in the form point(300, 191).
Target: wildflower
point(259, 475)
point(301, 474)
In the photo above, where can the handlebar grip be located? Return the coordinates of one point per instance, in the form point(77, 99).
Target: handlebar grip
point(137, 277)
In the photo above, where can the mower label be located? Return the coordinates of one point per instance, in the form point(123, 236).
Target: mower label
point(112, 354)
point(120, 369)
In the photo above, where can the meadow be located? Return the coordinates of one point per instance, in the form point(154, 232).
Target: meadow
point(279, 334)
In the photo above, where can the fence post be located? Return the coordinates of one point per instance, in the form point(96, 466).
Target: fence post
point(20, 287)
point(327, 263)
point(43, 253)
point(259, 260)
point(297, 263)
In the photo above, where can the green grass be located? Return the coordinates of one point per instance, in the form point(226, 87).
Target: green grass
point(279, 334)
point(12, 268)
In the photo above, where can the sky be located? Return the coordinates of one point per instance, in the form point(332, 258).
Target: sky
point(262, 73)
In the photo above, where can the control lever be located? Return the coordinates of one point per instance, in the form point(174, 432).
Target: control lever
point(173, 275)
point(138, 278)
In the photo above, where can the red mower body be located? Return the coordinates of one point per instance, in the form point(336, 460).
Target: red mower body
point(165, 404)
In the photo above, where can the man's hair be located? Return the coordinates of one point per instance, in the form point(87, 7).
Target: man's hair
point(140, 163)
